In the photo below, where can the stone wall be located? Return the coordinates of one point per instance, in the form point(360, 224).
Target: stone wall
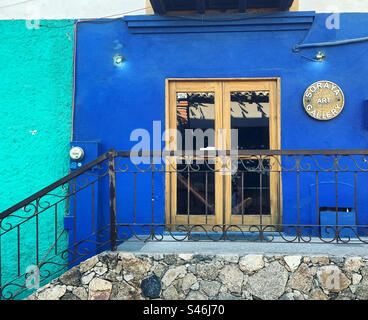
point(124, 276)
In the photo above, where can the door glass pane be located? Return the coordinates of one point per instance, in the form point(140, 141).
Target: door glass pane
point(251, 188)
point(195, 116)
point(250, 113)
point(196, 187)
point(196, 181)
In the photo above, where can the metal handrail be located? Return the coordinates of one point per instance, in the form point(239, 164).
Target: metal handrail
point(54, 185)
point(118, 229)
point(168, 153)
point(266, 152)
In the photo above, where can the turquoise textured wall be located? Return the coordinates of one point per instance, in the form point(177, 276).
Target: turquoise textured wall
point(36, 84)
point(36, 95)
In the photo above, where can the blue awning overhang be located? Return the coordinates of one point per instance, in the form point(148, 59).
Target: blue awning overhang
point(162, 7)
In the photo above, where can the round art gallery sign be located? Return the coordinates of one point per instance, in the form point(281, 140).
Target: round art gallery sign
point(323, 100)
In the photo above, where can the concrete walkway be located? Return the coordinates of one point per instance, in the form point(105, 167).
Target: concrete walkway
point(167, 245)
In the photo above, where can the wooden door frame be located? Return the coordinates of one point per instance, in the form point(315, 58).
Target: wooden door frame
point(273, 84)
point(171, 178)
point(274, 136)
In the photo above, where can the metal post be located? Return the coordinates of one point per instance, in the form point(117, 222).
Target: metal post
point(112, 190)
point(224, 193)
point(224, 205)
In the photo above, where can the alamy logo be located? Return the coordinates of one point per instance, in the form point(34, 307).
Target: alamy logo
point(204, 142)
point(333, 280)
point(32, 24)
point(333, 20)
point(32, 277)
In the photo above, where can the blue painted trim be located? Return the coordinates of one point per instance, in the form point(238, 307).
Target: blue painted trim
point(69, 222)
point(221, 17)
point(227, 23)
point(366, 114)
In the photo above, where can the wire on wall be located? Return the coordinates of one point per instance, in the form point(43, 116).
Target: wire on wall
point(16, 4)
point(117, 15)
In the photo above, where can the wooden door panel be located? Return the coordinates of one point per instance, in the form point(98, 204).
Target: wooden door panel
point(222, 89)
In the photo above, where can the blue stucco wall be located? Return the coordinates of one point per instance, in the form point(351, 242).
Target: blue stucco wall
point(113, 101)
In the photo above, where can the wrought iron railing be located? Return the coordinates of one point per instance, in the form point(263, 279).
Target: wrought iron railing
point(300, 196)
point(35, 246)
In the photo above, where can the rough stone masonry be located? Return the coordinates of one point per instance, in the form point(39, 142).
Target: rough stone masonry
point(128, 276)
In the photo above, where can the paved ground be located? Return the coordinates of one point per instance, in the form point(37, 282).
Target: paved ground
point(241, 247)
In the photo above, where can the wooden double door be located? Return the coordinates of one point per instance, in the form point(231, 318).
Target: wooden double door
point(241, 114)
